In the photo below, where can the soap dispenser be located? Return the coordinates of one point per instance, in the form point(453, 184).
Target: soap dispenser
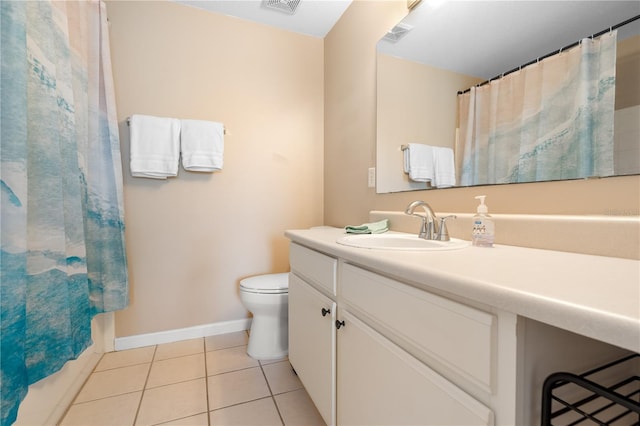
point(483, 227)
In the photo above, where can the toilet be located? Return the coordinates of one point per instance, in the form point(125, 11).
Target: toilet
point(267, 298)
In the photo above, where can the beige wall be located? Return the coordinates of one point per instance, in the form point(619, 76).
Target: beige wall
point(191, 239)
point(350, 142)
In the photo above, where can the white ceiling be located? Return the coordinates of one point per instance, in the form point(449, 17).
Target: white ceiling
point(312, 17)
point(487, 38)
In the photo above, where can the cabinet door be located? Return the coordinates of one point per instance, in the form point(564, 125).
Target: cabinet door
point(379, 383)
point(460, 337)
point(312, 343)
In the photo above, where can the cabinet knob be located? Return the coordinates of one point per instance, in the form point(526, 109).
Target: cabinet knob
point(339, 324)
point(325, 312)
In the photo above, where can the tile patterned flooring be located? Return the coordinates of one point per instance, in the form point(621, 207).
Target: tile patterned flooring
point(206, 381)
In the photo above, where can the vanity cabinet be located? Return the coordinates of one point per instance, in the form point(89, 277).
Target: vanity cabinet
point(362, 345)
point(434, 339)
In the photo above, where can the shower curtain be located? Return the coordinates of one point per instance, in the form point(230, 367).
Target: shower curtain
point(63, 253)
point(551, 120)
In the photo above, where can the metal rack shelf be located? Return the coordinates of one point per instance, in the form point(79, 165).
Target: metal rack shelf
point(570, 399)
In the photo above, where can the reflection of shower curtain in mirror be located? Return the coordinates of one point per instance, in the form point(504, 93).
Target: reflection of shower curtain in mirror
point(63, 254)
point(551, 120)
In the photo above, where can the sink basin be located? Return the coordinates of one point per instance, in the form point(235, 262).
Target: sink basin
point(407, 242)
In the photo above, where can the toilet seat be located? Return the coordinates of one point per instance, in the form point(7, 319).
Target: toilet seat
point(266, 284)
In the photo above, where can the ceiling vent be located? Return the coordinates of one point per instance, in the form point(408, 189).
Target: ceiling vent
point(287, 6)
point(397, 32)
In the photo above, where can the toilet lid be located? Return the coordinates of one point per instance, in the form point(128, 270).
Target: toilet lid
point(270, 283)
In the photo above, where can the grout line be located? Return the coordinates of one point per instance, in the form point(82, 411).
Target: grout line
point(226, 347)
point(102, 397)
point(232, 371)
point(206, 379)
point(241, 403)
point(164, 385)
point(144, 388)
point(119, 367)
point(273, 399)
point(265, 378)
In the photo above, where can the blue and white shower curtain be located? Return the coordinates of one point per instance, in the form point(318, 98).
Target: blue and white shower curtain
point(63, 253)
point(551, 120)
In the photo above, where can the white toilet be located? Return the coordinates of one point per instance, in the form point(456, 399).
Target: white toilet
point(267, 298)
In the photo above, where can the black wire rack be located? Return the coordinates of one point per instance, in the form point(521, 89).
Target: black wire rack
point(570, 399)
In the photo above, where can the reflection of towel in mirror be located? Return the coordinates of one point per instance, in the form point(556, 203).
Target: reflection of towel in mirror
point(444, 175)
point(369, 228)
point(418, 162)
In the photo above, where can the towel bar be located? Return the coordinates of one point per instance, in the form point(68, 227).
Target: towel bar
point(129, 124)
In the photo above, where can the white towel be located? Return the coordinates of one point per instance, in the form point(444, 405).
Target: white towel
point(155, 146)
point(419, 162)
point(444, 168)
point(202, 145)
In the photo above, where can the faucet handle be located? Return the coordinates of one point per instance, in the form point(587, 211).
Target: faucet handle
point(424, 227)
point(443, 234)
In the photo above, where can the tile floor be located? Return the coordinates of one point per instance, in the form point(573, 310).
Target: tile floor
point(206, 381)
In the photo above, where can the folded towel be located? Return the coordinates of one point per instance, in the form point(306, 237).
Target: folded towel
point(369, 228)
point(202, 145)
point(419, 162)
point(155, 146)
point(444, 168)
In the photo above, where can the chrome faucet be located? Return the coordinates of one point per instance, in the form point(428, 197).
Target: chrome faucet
point(429, 230)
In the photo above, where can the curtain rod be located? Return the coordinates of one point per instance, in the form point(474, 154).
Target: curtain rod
point(598, 34)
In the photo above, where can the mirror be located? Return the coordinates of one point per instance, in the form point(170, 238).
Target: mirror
point(443, 47)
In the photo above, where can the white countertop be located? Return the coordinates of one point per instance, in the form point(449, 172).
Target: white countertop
point(595, 296)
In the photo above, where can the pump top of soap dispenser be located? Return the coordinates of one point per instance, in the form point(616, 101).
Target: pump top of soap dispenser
point(482, 207)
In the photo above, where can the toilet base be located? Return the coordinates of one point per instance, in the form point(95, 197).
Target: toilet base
point(268, 338)
point(269, 356)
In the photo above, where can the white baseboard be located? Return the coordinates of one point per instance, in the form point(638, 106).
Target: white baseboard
point(140, 340)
